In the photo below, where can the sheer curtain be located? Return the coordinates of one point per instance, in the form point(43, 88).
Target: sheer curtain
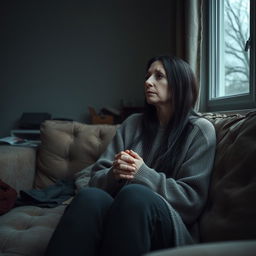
point(189, 34)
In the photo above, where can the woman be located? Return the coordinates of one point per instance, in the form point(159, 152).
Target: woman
point(148, 189)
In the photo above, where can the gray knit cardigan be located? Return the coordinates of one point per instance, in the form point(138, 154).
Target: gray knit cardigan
point(186, 187)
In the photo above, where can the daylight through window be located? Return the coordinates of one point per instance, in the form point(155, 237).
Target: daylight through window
point(236, 47)
point(231, 52)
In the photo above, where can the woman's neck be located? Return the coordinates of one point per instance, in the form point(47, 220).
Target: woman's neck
point(164, 114)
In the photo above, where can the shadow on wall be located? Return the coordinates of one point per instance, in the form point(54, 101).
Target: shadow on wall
point(62, 57)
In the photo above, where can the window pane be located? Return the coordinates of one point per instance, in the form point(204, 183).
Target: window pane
point(236, 58)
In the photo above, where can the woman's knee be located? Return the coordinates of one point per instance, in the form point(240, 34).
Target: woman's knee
point(135, 190)
point(91, 197)
point(136, 196)
point(92, 194)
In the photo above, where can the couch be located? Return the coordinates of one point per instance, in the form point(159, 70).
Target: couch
point(228, 224)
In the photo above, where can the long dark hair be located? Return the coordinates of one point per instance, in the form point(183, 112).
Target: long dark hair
point(184, 93)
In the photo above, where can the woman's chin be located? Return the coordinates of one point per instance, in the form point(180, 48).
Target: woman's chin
point(150, 102)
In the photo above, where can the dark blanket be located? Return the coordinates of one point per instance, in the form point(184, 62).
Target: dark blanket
point(50, 196)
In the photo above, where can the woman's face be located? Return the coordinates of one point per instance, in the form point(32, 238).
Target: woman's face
point(157, 91)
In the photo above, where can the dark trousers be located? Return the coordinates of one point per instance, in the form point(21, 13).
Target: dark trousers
point(136, 221)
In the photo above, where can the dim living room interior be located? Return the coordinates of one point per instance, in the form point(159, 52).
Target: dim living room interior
point(72, 72)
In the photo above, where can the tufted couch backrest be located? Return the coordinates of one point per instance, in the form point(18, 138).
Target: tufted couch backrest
point(67, 147)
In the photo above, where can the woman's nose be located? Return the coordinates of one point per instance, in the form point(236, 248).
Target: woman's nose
point(148, 82)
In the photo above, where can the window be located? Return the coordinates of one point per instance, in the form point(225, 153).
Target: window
point(231, 52)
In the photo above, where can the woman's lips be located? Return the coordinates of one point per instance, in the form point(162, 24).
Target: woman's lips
point(149, 92)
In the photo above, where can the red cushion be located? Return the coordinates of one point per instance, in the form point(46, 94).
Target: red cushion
point(8, 197)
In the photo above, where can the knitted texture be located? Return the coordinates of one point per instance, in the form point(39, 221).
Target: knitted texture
point(184, 188)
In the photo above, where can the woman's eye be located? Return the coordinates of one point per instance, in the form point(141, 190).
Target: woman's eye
point(159, 76)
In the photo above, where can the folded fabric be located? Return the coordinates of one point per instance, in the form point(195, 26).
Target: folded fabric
point(50, 196)
point(8, 197)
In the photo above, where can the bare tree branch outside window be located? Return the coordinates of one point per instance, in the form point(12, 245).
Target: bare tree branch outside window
point(236, 35)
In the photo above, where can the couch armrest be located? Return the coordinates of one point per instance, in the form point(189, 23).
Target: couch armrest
point(234, 248)
point(17, 166)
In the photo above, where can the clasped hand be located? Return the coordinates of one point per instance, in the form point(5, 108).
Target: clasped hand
point(126, 164)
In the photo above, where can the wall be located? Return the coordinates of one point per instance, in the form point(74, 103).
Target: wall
point(61, 57)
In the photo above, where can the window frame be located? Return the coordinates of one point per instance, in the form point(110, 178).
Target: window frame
point(213, 67)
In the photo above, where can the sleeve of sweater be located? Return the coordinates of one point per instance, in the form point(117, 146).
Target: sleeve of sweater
point(100, 173)
point(187, 191)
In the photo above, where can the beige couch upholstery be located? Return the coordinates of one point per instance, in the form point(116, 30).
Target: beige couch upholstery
point(68, 147)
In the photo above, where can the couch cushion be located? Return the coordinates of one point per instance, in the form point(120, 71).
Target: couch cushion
point(67, 147)
point(230, 214)
point(27, 230)
point(17, 163)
